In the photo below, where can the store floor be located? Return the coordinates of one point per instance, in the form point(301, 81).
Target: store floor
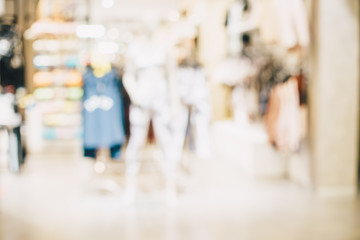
point(58, 196)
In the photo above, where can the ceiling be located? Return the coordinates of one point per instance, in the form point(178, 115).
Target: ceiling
point(130, 10)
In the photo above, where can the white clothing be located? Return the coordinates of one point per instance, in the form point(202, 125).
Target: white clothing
point(285, 22)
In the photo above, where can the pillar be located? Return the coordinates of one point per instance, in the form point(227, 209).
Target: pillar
point(334, 97)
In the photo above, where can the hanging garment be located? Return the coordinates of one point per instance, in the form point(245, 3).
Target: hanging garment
point(233, 71)
point(13, 147)
point(271, 73)
point(11, 121)
point(115, 152)
point(283, 116)
point(233, 25)
point(8, 116)
point(15, 150)
point(10, 75)
point(285, 22)
point(102, 111)
point(242, 17)
point(11, 57)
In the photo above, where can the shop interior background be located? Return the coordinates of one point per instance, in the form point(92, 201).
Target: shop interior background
point(179, 119)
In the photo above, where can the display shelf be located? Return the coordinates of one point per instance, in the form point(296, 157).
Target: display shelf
point(57, 80)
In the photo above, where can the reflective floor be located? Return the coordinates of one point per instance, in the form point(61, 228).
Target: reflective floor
point(59, 196)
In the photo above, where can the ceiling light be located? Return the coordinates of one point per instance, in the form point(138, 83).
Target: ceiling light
point(107, 3)
point(90, 31)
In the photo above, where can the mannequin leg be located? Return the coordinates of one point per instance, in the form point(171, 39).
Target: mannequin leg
point(239, 106)
point(202, 126)
point(139, 124)
point(14, 157)
point(179, 132)
point(163, 137)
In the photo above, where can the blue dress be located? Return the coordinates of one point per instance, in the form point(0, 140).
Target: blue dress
point(102, 111)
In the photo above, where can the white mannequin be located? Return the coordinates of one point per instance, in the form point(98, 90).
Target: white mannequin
point(193, 97)
point(194, 104)
point(235, 17)
point(240, 21)
point(146, 80)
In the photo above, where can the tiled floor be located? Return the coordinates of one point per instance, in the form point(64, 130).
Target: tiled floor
point(59, 197)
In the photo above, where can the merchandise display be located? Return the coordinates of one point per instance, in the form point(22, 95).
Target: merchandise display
point(57, 80)
point(179, 119)
point(264, 66)
point(159, 89)
point(114, 82)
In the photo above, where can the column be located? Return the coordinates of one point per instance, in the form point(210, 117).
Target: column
point(334, 97)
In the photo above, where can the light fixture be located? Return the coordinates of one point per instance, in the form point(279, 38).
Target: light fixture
point(108, 47)
point(107, 3)
point(113, 34)
point(90, 31)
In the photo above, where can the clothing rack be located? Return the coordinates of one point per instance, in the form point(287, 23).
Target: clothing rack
point(15, 151)
point(8, 32)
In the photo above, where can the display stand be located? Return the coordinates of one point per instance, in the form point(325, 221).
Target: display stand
point(57, 80)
